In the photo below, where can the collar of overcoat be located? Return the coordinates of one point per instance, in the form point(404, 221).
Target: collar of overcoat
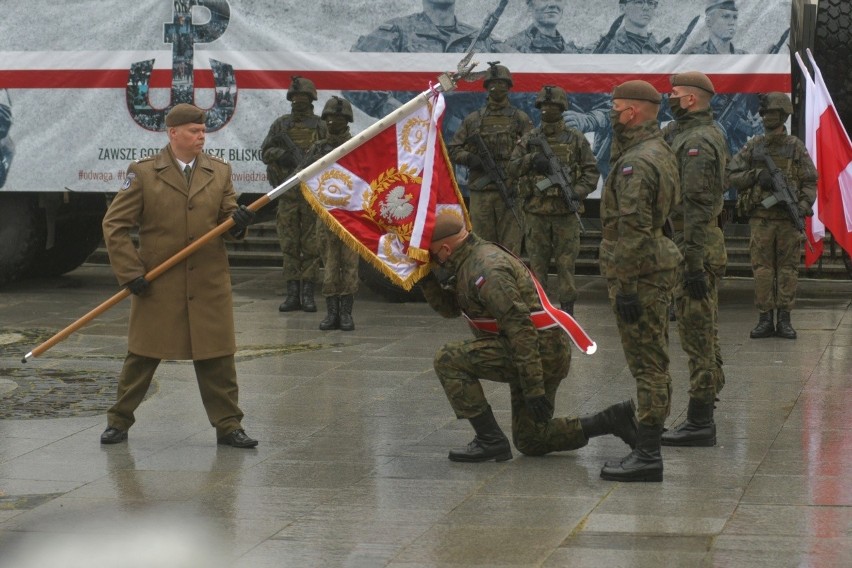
point(170, 174)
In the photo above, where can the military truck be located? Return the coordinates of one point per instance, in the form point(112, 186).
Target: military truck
point(77, 106)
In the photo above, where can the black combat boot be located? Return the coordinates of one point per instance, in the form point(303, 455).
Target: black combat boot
point(699, 430)
point(784, 328)
point(489, 443)
point(291, 301)
point(346, 321)
point(618, 420)
point(644, 463)
point(764, 328)
point(308, 303)
point(567, 307)
point(332, 319)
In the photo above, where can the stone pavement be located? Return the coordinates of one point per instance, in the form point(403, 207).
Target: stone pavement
point(354, 430)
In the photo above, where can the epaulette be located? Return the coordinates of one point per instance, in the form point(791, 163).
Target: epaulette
point(217, 158)
point(145, 159)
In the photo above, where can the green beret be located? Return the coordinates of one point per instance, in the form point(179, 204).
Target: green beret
point(693, 79)
point(720, 5)
point(447, 224)
point(185, 114)
point(638, 90)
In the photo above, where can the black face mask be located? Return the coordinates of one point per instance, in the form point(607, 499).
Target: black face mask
point(614, 116)
point(302, 106)
point(551, 115)
point(677, 110)
point(337, 124)
point(498, 92)
point(772, 120)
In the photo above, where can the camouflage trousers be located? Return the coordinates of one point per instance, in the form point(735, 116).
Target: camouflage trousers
point(296, 225)
point(494, 222)
point(775, 248)
point(646, 345)
point(698, 327)
point(340, 264)
point(557, 237)
point(461, 365)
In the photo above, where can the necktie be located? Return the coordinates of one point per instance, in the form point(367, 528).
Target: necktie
point(187, 171)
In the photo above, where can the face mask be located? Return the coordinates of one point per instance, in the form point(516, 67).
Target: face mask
point(551, 115)
point(771, 121)
point(336, 124)
point(301, 106)
point(614, 118)
point(677, 110)
point(498, 93)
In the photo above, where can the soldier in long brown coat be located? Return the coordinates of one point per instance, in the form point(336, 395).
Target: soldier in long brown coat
point(173, 198)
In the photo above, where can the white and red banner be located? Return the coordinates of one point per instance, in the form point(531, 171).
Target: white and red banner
point(382, 198)
point(92, 79)
point(831, 150)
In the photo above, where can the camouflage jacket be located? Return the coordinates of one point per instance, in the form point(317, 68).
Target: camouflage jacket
point(573, 150)
point(702, 156)
point(790, 155)
point(417, 33)
point(709, 48)
point(303, 130)
point(491, 283)
point(642, 187)
point(531, 40)
point(501, 126)
point(627, 42)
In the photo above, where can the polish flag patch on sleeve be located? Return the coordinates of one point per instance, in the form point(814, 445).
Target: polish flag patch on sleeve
point(627, 171)
point(479, 282)
point(692, 152)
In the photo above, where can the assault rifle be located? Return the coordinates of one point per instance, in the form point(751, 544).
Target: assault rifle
point(606, 39)
point(738, 99)
point(559, 176)
point(496, 174)
point(681, 39)
point(781, 193)
point(282, 138)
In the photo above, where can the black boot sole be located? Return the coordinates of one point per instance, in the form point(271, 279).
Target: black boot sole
point(504, 456)
point(701, 443)
point(654, 477)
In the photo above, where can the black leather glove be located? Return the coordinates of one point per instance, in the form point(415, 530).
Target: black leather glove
point(540, 408)
point(288, 160)
point(137, 286)
point(628, 307)
point(541, 164)
point(273, 154)
point(474, 162)
point(805, 209)
point(696, 284)
point(764, 178)
point(243, 217)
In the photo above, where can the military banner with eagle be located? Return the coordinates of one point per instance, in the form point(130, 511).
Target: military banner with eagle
point(382, 197)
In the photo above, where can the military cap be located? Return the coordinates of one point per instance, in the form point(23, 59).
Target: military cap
point(693, 79)
point(638, 90)
point(720, 5)
point(447, 224)
point(185, 114)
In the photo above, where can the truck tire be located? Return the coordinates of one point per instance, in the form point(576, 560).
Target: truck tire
point(833, 53)
point(381, 285)
point(78, 234)
point(19, 235)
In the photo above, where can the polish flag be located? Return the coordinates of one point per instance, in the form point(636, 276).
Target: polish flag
point(831, 150)
point(382, 198)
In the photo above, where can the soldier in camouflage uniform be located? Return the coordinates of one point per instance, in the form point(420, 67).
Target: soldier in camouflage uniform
point(552, 230)
point(282, 151)
point(633, 37)
point(775, 244)
point(639, 263)
point(501, 125)
point(340, 263)
point(541, 36)
point(702, 156)
point(488, 285)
